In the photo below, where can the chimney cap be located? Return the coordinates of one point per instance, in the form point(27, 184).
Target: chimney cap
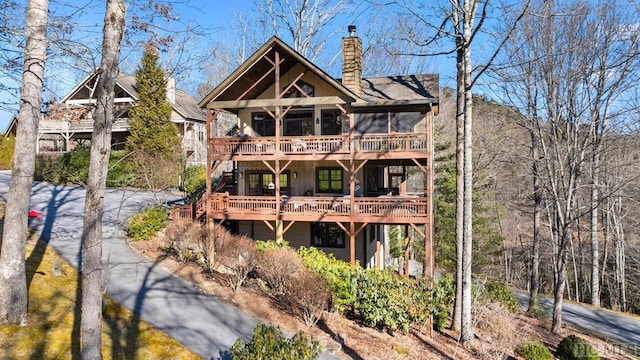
point(352, 30)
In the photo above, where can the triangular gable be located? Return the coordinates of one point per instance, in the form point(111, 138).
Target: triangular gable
point(84, 92)
point(248, 79)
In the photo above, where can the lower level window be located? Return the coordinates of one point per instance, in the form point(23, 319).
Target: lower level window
point(327, 235)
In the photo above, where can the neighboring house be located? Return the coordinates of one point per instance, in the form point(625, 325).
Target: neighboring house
point(69, 123)
point(323, 162)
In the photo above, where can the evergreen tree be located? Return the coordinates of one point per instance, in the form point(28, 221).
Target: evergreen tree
point(7, 147)
point(154, 141)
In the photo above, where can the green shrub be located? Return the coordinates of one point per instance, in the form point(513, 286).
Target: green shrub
point(268, 245)
point(76, 165)
point(385, 300)
point(48, 168)
point(538, 311)
point(194, 182)
point(7, 147)
point(338, 274)
point(496, 292)
point(73, 168)
point(442, 297)
point(533, 350)
point(270, 343)
point(120, 173)
point(574, 348)
point(146, 224)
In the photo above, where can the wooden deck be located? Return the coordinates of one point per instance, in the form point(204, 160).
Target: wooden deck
point(48, 126)
point(389, 210)
point(364, 146)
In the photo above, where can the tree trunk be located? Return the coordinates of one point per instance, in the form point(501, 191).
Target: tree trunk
point(456, 323)
point(467, 332)
point(595, 252)
point(96, 182)
point(13, 281)
point(535, 246)
point(558, 291)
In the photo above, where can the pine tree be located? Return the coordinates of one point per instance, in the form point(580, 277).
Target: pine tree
point(154, 141)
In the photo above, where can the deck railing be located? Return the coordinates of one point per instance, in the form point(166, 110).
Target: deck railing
point(47, 126)
point(228, 206)
point(318, 145)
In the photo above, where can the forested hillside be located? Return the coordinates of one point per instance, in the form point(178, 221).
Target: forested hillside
point(503, 188)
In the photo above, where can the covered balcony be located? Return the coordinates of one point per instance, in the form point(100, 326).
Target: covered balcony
point(388, 210)
point(362, 146)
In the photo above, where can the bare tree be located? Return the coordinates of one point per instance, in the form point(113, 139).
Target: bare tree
point(308, 24)
point(568, 97)
point(13, 284)
point(99, 161)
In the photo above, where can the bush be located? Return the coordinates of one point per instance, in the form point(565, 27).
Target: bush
point(308, 296)
point(48, 168)
point(574, 348)
point(442, 297)
point(120, 173)
point(382, 299)
point(145, 225)
point(268, 245)
point(7, 147)
point(496, 292)
point(73, 168)
point(236, 254)
point(538, 311)
point(533, 350)
point(338, 274)
point(194, 182)
point(270, 343)
point(277, 267)
point(183, 237)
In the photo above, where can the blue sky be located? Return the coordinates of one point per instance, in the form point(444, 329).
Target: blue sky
point(209, 13)
point(212, 14)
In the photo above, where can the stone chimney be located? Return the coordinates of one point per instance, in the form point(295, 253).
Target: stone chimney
point(352, 61)
point(171, 90)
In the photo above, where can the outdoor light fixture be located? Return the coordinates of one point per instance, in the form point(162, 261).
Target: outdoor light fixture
point(295, 175)
point(317, 120)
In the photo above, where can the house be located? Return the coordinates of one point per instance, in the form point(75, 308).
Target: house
point(69, 123)
point(324, 162)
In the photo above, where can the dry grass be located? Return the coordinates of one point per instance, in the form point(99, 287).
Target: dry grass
point(53, 328)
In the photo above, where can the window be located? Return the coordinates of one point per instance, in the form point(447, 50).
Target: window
point(263, 124)
point(329, 180)
point(327, 235)
point(298, 123)
point(263, 183)
point(331, 122)
point(294, 92)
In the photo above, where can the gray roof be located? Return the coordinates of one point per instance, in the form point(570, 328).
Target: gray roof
point(402, 88)
point(185, 104)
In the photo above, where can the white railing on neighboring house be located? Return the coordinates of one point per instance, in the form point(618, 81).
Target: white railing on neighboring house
point(48, 126)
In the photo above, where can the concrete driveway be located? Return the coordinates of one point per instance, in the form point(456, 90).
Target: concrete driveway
point(616, 326)
point(200, 322)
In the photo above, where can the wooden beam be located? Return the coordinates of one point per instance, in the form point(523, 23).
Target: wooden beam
point(417, 229)
point(268, 224)
point(288, 226)
point(266, 163)
point(293, 83)
point(255, 84)
point(283, 168)
point(343, 165)
point(259, 103)
point(361, 228)
point(424, 170)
